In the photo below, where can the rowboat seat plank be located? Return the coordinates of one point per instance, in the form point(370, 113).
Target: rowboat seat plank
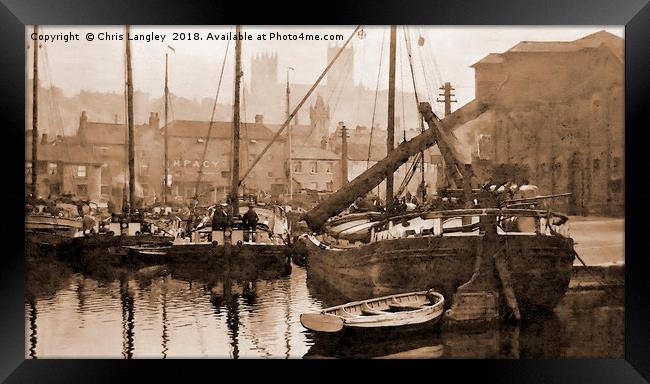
point(343, 313)
point(366, 310)
point(405, 306)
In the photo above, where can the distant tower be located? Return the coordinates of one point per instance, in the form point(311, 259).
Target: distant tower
point(340, 71)
point(319, 116)
point(264, 72)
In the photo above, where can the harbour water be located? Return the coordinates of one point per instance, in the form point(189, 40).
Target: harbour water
point(168, 314)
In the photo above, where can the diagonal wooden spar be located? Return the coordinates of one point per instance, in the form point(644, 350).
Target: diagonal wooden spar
point(297, 108)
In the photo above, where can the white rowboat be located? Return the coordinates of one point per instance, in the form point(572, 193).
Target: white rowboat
point(388, 311)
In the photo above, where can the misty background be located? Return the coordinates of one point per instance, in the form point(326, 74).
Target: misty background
point(90, 76)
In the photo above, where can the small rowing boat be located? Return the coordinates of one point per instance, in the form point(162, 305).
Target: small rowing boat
point(388, 311)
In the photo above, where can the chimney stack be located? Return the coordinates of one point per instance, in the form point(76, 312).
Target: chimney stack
point(44, 139)
point(83, 120)
point(154, 120)
point(259, 119)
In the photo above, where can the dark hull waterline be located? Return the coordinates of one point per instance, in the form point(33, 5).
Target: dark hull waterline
point(540, 267)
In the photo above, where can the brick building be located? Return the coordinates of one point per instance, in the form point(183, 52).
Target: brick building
point(556, 109)
point(63, 169)
point(107, 143)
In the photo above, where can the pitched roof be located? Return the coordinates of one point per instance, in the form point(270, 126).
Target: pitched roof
point(71, 154)
point(594, 40)
point(359, 152)
point(104, 133)
point(492, 58)
point(220, 130)
point(313, 153)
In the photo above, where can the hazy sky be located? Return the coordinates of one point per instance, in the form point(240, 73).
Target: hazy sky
point(447, 54)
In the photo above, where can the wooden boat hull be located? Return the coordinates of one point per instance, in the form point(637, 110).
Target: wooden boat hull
point(245, 258)
point(540, 267)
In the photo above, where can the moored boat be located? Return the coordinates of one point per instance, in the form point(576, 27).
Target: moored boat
point(537, 264)
point(403, 309)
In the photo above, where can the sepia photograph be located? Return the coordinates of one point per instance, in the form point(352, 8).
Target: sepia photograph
point(311, 192)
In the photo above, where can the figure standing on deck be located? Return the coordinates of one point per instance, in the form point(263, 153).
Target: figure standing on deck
point(249, 220)
point(221, 218)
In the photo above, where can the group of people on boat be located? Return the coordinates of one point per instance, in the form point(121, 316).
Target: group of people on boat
point(492, 194)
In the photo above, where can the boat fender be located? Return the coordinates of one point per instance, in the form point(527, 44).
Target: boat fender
point(215, 243)
point(240, 243)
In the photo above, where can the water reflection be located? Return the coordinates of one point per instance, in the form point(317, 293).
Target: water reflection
point(185, 312)
point(128, 316)
point(163, 301)
point(32, 328)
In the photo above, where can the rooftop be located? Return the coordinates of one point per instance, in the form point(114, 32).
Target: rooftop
point(313, 153)
point(614, 43)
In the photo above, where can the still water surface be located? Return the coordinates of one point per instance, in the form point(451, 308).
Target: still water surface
point(70, 315)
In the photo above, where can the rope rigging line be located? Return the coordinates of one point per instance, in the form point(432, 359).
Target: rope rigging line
point(54, 110)
point(297, 108)
point(432, 58)
point(410, 60)
point(417, 101)
point(212, 116)
point(374, 107)
point(409, 174)
point(348, 74)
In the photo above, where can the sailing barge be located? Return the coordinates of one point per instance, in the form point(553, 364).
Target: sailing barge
point(488, 260)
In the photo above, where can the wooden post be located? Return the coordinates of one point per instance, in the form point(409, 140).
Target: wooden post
point(234, 192)
point(34, 188)
point(447, 95)
point(390, 134)
point(129, 96)
point(289, 139)
point(344, 155)
point(165, 182)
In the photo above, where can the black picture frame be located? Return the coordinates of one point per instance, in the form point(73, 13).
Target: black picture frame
point(16, 14)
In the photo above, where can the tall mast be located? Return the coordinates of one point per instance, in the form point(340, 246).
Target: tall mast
point(390, 128)
point(35, 116)
point(234, 192)
point(166, 181)
point(129, 105)
point(289, 135)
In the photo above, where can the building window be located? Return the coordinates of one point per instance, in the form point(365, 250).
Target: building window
point(270, 174)
point(314, 167)
point(82, 189)
point(314, 186)
point(328, 169)
point(269, 157)
point(330, 186)
point(81, 171)
point(616, 164)
point(28, 168)
point(55, 189)
point(557, 167)
point(52, 168)
point(144, 170)
point(225, 174)
point(106, 189)
point(297, 167)
point(596, 165)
